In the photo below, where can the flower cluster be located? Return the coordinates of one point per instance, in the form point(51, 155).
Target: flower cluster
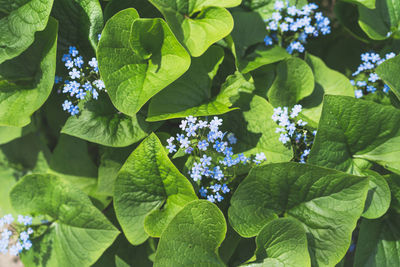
point(215, 158)
point(290, 27)
point(366, 81)
point(83, 82)
point(292, 131)
point(15, 237)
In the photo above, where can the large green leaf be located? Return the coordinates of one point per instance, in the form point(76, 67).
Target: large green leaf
point(384, 19)
point(192, 238)
point(352, 129)
point(191, 93)
point(282, 242)
point(138, 58)
point(79, 234)
point(99, 122)
point(255, 130)
point(326, 202)
point(389, 72)
point(149, 191)
point(19, 21)
point(26, 81)
point(197, 24)
point(294, 81)
point(327, 81)
point(80, 22)
point(378, 242)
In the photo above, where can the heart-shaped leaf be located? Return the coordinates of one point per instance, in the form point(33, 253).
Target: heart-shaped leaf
point(197, 24)
point(326, 202)
point(192, 237)
point(78, 234)
point(138, 58)
point(352, 129)
point(18, 26)
point(149, 191)
point(282, 242)
point(26, 81)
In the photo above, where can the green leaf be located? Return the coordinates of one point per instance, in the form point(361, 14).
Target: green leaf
point(262, 56)
point(388, 71)
point(79, 234)
point(137, 59)
point(294, 81)
point(99, 122)
point(378, 198)
point(192, 238)
point(367, 3)
point(378, 242)
point(282, 242)
point(326, 202)
point(18, 27)
point(191, 93)
point(149, 191)
point(197, 24)
point(352, 129)
point(26, 81)
point(255, 132)
point(384, 19)
point(80, 22)
point(327, 81)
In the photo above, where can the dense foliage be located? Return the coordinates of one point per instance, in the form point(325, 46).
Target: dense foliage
point(200, 133)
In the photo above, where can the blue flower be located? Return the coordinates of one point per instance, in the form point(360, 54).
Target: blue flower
point(69, 64)
point(74, 74)
point(73, 51)
point(203, 192)
point(78, 61)
point(231, 138)
point(66, 105)
point(57, 79)
point(66, 57)
point(386, 88)
point(205, 161)
point(202, 145)
point(373, 77)
point(171, 148)
point(81, 94)
point(218, 197)
point(225, 189)
point(73, 110)
point(268, 40)
point(99, 84)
